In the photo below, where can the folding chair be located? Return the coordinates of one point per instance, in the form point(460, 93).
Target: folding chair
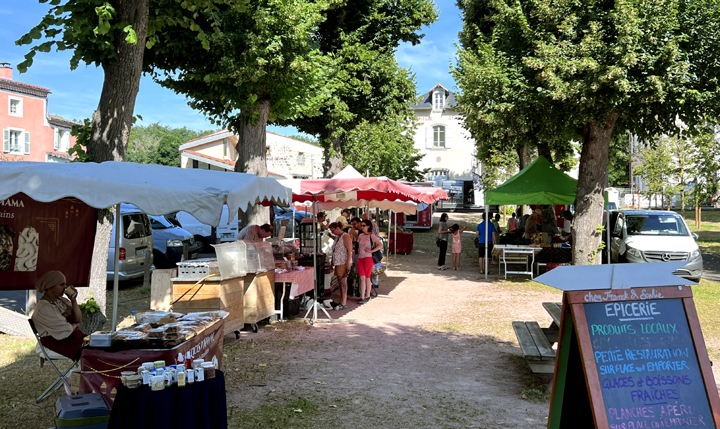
point(50, 356)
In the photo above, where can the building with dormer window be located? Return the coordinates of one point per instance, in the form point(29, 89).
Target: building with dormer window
point(29, 133)
point(448, 149)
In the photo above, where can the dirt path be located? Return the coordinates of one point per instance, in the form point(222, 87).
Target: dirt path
point(406, 360)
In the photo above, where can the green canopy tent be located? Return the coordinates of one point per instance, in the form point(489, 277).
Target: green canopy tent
point(538, 183)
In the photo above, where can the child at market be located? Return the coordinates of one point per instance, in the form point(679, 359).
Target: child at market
point(456, 231)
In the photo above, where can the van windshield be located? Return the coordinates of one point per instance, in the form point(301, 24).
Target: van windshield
point(655, 225)
point(136, 226)
point(159, 222)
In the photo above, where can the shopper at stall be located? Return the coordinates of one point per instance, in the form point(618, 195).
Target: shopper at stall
point(513, 222)
point(443, 237)
point(567, 225)
point(375, 227)
point(343, 219)
point(342, 258)
point(56, 318)
point(531, 225)
point(456, 231)
point(492, 238)
point(374, 278)
point(322, 221)
point(367, 244)
point(496, 222)
point(255, 232)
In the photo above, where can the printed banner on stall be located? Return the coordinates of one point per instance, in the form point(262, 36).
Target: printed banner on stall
point(101, 369)
point(36, 237)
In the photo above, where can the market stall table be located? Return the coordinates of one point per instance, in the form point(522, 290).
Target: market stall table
point(259, 298)
point(101, 366)
point(200, 405)
point(211, 294)
point(516, 254)
point(301, 281)
point(404, 242)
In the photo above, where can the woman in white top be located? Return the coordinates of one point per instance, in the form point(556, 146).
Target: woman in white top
point(57, 318)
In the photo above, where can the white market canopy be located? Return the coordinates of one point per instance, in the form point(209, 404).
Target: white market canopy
point(154, 189)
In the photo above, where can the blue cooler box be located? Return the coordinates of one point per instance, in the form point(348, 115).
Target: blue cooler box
point(89, 411)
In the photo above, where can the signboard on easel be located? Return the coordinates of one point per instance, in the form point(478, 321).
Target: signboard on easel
point(632, 358)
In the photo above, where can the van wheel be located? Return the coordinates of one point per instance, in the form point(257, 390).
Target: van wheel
point(159, 260)
point(202, 240)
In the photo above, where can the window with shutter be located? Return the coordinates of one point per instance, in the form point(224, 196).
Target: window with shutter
point(27, 143)
point(57, 141)
point(6, 140)
point(439, 136)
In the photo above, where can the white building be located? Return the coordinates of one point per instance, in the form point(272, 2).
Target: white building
point(448, 149)
point(287, 158)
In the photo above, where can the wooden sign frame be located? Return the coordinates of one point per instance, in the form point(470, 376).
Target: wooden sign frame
point(576, 404)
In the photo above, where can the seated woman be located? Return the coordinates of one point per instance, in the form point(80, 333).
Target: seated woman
point(57, 318)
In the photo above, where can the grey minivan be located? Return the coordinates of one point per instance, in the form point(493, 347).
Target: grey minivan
point(136, 241)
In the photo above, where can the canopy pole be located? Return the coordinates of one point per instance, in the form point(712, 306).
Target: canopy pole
point(607, 231)
point(315, 273)
point(485, 259)
point(293, 224)
point(395, 252)
point(388, 236)
point(116, 279)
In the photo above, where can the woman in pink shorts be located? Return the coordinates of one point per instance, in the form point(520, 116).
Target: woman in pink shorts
point(367, 244)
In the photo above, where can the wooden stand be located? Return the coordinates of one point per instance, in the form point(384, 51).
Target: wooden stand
point(259, 299)
point(211, 295)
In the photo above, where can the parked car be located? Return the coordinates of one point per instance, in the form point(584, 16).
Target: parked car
point(206, 234)
point(654, 236)
point(135, 241)
point(169, 241)
point(282, 213)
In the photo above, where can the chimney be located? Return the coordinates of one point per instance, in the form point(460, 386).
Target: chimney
point(5, 71)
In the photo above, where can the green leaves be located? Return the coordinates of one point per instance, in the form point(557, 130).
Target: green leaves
point(131, 37)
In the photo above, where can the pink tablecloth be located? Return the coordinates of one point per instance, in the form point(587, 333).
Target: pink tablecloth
point(305, 279)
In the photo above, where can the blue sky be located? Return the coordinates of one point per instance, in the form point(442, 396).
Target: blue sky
point(75, 94)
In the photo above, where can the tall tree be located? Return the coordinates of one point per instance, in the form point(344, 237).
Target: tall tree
point(256, 72)
point(114, 35)
point(366, 85)
point(562, 68)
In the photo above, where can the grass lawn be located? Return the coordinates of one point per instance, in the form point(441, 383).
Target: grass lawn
point(709, 232)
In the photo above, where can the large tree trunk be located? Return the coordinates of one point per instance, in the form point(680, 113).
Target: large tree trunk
point(112, 120)
point(589, 199)
point(333, 161)
point(524, 155)
point(252, 150)
point(111, 124)
point(549, 223)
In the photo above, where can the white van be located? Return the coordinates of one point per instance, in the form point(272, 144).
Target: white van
point(207, 234)
point(654, 236)
point(135, 241)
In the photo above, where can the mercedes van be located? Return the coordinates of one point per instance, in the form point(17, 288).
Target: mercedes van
point(654, 236)
point(136, 241)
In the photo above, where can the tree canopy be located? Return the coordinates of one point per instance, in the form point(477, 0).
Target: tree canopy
point(159, 144)
point(385, 149)
point(551, 72)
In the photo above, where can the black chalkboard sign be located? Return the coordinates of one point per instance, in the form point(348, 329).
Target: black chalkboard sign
point(647, 364)
point(643, 360)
